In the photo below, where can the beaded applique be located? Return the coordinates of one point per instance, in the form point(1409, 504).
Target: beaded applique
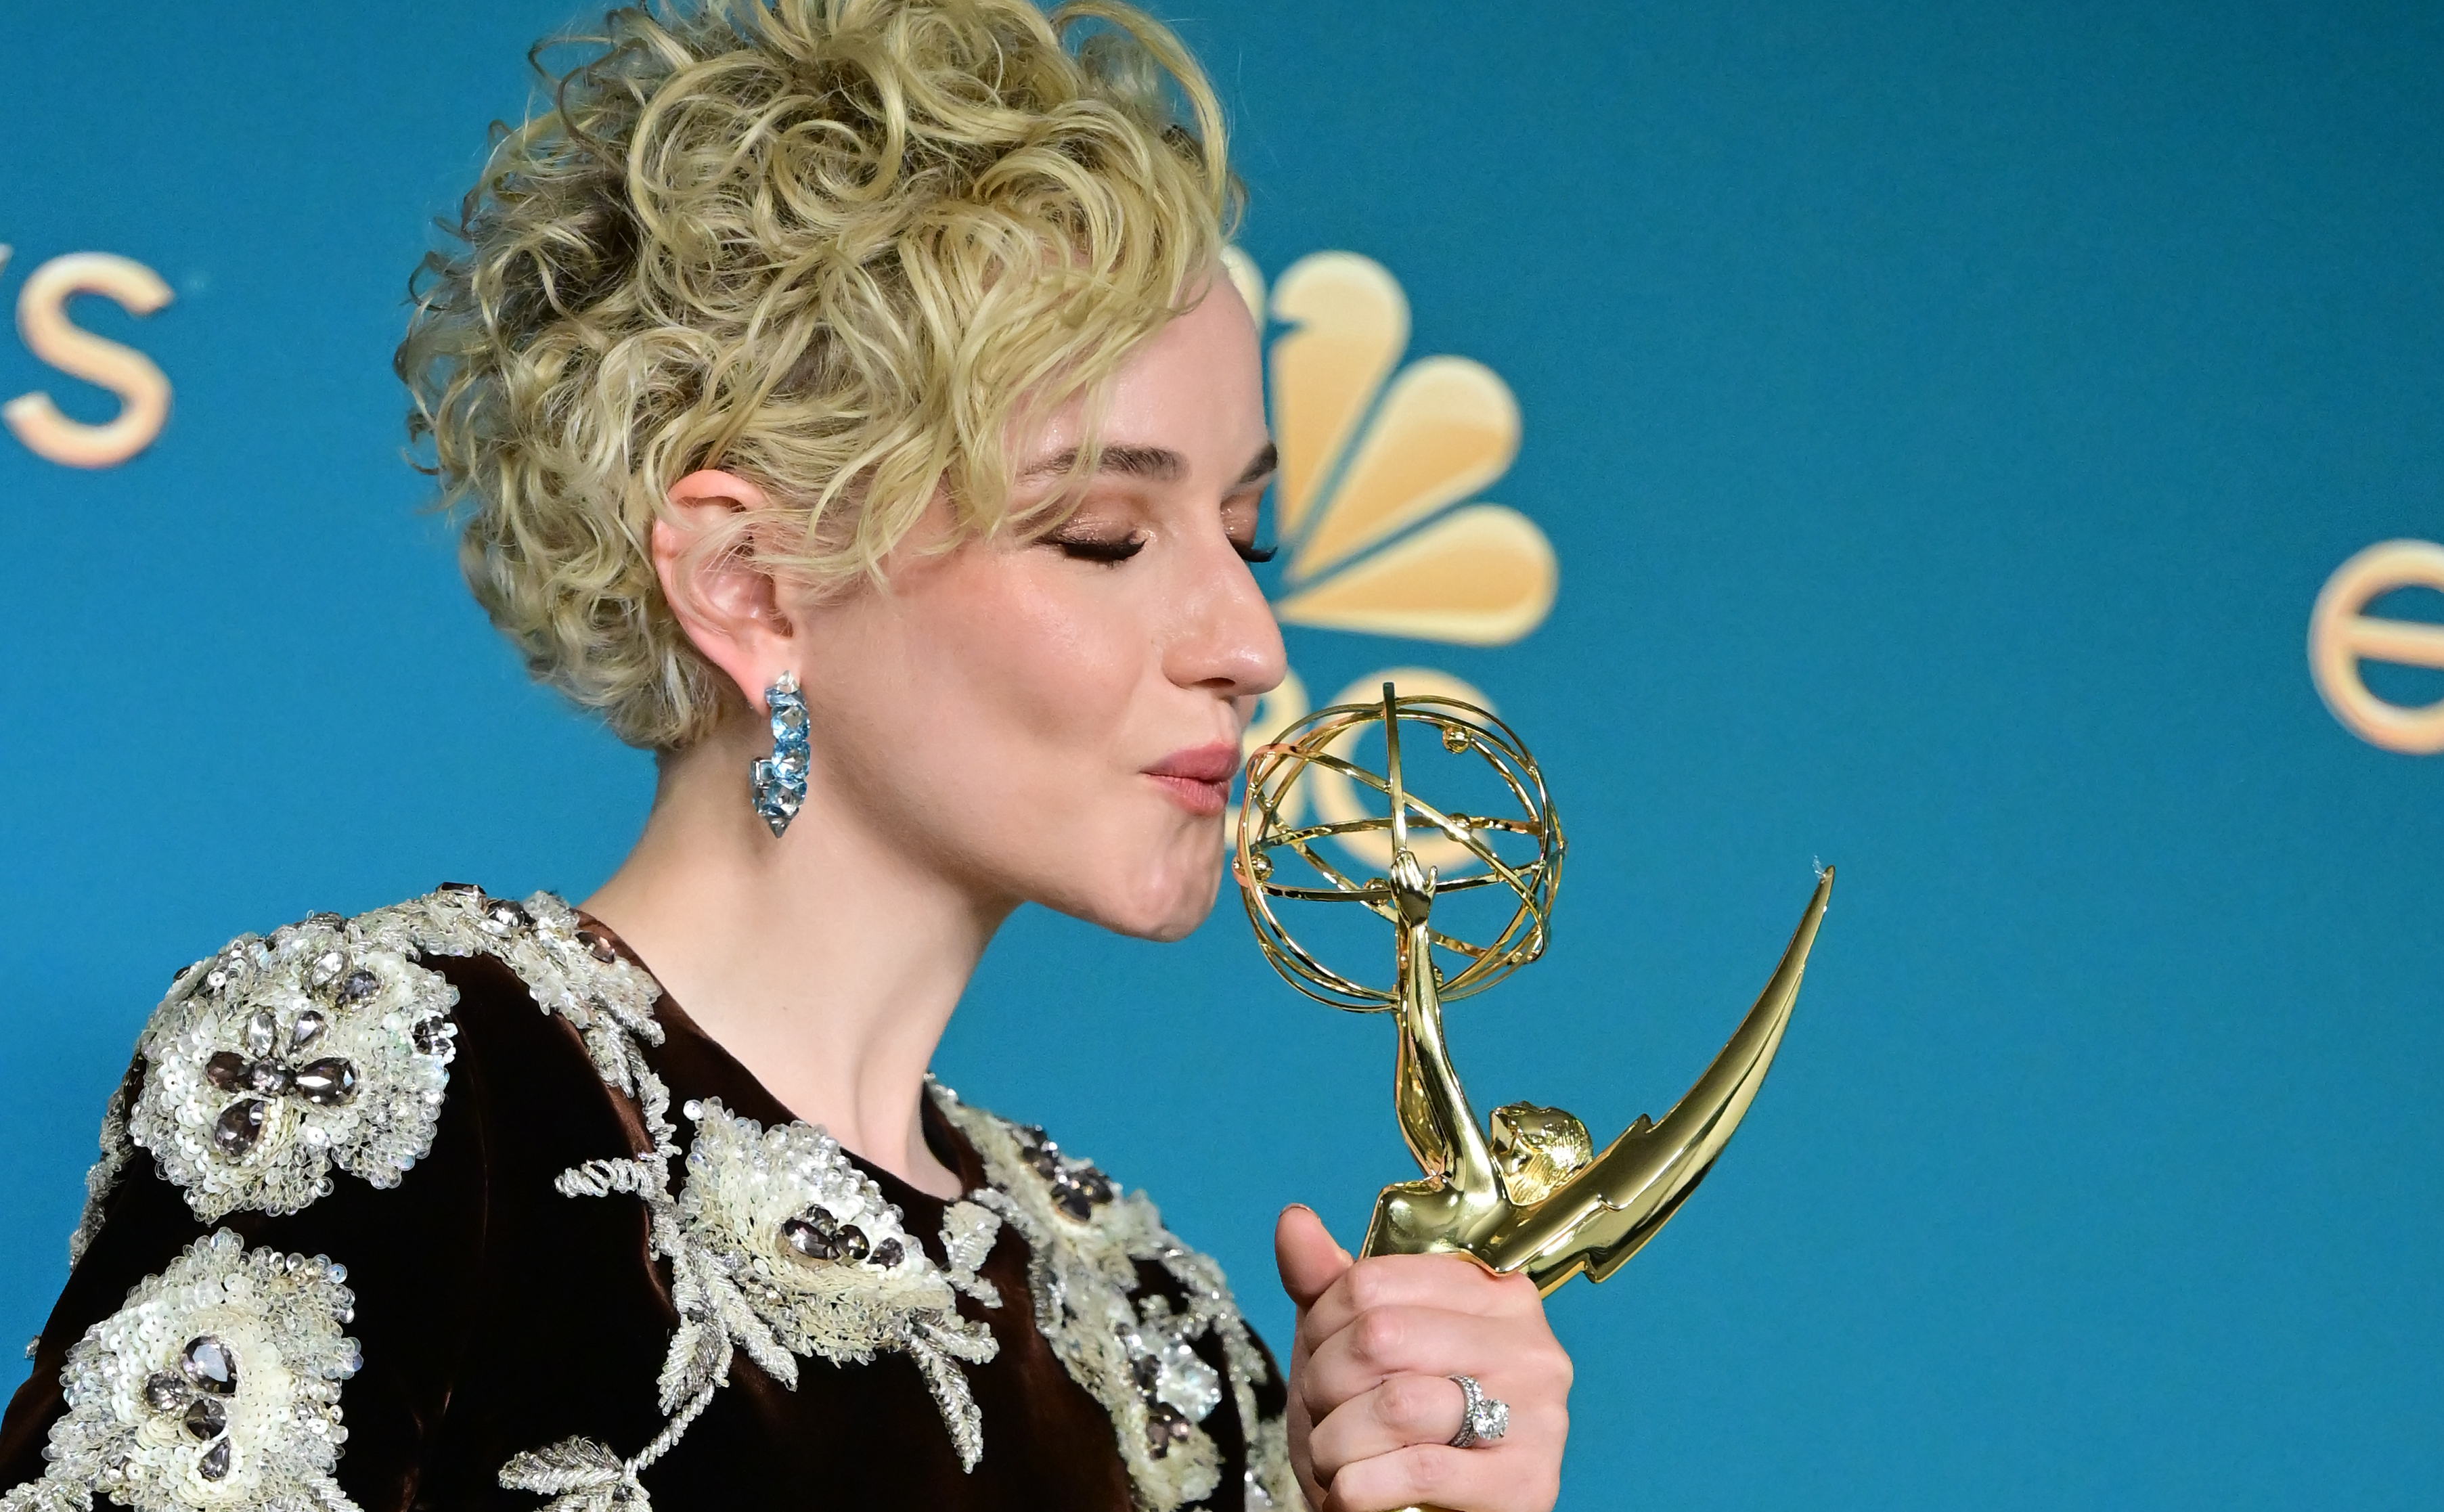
point(327, 1043)
point(117, 1150)
point(801, 1256)
point(1131, 1352)
point(570, 971)
point(713, 1233)
point(1270, 1480)
point(215, 1386)
point(282, 1057)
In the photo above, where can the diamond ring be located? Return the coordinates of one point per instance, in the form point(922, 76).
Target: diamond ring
point(1483, 1419)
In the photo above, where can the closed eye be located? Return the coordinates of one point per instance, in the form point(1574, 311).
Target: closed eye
point(1098, 549)
point(1249, 551)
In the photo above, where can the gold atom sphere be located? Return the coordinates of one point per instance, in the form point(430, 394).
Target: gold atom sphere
point(1464, 851)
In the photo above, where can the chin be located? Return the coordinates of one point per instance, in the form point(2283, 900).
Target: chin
point(1166, 906)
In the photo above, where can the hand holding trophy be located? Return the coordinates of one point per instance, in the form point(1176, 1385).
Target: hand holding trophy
point(1528, 1193)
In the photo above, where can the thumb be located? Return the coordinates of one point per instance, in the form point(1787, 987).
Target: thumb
point(1309, 1260)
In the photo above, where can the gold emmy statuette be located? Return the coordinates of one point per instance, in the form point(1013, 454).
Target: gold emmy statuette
point(1526, 1193)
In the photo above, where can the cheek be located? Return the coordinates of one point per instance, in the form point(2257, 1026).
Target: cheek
point(998, 719)
point(990, 701)
point(1047, 672)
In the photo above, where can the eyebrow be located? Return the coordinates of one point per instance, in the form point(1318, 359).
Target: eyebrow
point(1159, 463)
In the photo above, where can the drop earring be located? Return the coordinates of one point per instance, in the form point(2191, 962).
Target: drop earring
point(780, 779)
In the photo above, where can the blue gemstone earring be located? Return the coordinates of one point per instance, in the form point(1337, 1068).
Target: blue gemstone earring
point(780, 779)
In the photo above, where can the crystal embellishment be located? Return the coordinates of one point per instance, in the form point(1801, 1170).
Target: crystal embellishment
point(780, 779)
point(215, 1386)
point(1130, 1348)
point(283, 1056)
point(1077, 1188)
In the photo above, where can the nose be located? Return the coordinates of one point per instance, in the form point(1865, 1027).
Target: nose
point(1227, 641)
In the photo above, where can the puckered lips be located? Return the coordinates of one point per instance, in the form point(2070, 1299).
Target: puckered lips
point(1199, 778)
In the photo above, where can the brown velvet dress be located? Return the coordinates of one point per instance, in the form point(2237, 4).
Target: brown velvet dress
point(589, 1286)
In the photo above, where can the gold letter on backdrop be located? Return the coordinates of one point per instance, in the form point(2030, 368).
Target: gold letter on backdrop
point(42, 321)
point(2339, 637)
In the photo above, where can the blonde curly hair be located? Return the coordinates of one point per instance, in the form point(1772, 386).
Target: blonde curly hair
point(842, 248)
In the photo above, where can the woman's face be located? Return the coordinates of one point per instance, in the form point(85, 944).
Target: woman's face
point(1057, 720)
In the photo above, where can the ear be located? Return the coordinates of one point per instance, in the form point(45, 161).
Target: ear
point(728, 607)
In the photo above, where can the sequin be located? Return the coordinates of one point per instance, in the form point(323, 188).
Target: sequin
point(303, 1058)
point(1131, 1348)
point(780, 1226)
point(163, 1416)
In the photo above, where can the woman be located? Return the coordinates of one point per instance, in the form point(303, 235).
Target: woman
point(846, 405)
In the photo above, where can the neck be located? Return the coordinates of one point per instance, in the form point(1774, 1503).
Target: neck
point(827, 963)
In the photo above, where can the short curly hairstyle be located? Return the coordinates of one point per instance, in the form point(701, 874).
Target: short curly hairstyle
point(842, 248)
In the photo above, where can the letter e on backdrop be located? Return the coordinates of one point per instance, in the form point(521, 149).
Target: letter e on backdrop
point(2339, 637)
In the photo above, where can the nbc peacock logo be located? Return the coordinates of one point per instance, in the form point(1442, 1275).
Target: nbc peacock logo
point(1376, 506)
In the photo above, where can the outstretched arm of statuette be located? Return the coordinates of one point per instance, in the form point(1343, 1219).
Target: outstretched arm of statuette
point(1413, 891)
point(1460, 1200)
point(1424, 1119)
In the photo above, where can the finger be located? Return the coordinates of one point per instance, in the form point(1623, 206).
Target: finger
point(1309, 1260)
point(1400, 1411)
point(1452, 1282)
point(1437, 1475)
point(1388, 1341)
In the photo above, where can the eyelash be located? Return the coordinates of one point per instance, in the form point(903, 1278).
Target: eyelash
point(1090, 548)
point(1087, 548)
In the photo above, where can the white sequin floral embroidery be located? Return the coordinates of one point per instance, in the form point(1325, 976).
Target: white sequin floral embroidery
point(117, 1149)
point(570, 971)
point(800, 1254)
point(1270, 1480)
point(282, 1057)
point(1131, 1352)
point(216, 1386)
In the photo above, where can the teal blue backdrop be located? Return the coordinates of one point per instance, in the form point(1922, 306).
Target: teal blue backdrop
point(1943, 417)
